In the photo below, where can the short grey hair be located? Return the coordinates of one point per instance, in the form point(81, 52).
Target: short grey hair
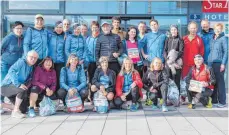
point(31, 52)
point(103, 59)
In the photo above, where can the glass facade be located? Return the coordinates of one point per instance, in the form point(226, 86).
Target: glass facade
point(50, 5)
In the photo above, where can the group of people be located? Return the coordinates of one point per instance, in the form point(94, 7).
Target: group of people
point(119, 64)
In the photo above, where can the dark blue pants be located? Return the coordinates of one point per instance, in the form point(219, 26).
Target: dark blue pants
point(219, 93)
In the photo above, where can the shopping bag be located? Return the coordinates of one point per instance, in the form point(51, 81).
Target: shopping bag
point(173, 93)
point(195, 86)
point(183, 91)
point(47, 107)
point(100, 102)
point(74, 103)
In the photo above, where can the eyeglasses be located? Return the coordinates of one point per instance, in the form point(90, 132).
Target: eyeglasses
point(32, 57)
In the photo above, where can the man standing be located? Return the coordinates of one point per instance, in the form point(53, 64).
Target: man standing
point(110, 45)
point(206, 34)
point(116, 21)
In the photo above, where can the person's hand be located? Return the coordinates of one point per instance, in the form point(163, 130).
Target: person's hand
point(145, 56)
point(222, 68)
point(153, 90)
point(116, 55)
point(204, 84)
point(123, 97)
point(71, 92)
point(102, 88)
point(22, 86)
point(133, 85)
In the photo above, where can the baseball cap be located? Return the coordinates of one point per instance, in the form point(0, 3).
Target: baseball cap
point(105, 23)
point(39, 16)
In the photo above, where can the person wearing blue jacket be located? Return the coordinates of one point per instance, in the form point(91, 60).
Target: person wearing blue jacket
point(72, 80)
point(155, 43)
point(66, 28)
point(217, 59)
point(56, 48)
point(206, 34)
point(90, 49)
point(36, 38)
point(17, 82)
point(75, 44)
point(11, 51)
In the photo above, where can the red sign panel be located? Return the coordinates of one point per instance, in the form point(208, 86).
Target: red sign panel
point(215, 6)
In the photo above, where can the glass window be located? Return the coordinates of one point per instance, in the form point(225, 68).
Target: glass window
point(150, 7)
point(28, 21)
point(82, 20)
point(32, 5)
point(166, 21)
point(98, 7)
point(135, 22)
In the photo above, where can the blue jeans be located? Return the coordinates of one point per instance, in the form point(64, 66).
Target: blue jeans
point(219, 93)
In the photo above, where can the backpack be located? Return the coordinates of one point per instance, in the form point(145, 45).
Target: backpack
point(100, 102)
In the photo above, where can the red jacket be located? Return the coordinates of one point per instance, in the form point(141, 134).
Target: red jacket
point(206, 74)
point(43, 78)
point(120, 81)
point(191, 48)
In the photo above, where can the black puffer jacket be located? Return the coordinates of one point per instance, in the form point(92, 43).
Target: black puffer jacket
point(110, 73)
point(106, 45)
point(175, 43)
point(155, 79)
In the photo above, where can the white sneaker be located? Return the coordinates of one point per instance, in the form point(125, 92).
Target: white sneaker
point(17, 114)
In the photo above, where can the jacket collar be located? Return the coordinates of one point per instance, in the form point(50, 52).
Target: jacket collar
point(211, 31)
point(220, 35)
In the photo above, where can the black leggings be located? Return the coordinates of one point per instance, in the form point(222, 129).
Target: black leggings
point(114, 66)
point(161, 93)
point(12, 92)
point(133, 96)
point(204, 97)
point(91, 70)
point(176, 78)
point(62, 93)
point(58, 67)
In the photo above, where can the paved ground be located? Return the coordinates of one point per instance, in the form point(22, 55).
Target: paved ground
point(179, 121)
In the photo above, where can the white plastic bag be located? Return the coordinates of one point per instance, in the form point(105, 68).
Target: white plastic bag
point(47, 107)
point(173, 93)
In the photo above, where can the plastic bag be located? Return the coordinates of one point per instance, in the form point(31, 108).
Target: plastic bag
point(183, 91)
point(100, 102)
point(74, 103)
point(173, 93)
point(47, 107)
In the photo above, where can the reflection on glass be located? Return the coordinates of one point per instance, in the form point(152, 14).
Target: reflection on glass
point(151, 7)
point(166, 21)
point(50, 5)
point(135, 22)
point(28, 21)
point(98, 7)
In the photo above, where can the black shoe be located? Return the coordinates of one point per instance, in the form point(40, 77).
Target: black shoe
point(193, 106)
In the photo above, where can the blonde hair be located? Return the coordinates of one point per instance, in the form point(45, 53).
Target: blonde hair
point(70, 57)
point(219, 24)
point(123, 70)
point(152, 66)
point(103, 59)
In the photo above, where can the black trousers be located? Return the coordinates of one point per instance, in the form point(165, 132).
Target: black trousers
point(219, 93)
point(12, 92)
point(176, 78)
point(133, 96)
point(91, 70)
point(139, 69)
point(62, 93)
point(161, 93)
point(115, 67)
point(58, 67)
point(204, 97)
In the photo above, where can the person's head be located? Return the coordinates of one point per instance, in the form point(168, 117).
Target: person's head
point(32, 57)
point(192, 28)
point(142, 27)
point(205, 25)
point(103, 61)
point(94, 27)
point(174, 30)
point(18, 28)
point(132, 33)
point(116, 21)
point(127, 66)
point(106, 27)
point(218, 28)
point(58, 27)
point(84, 29)
point(154, 26)
point(47, 63)
point(198, 60)
point(156, 64)
point(66, 25)
point(39, 21)
point(72, 61)
point(76, 29)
